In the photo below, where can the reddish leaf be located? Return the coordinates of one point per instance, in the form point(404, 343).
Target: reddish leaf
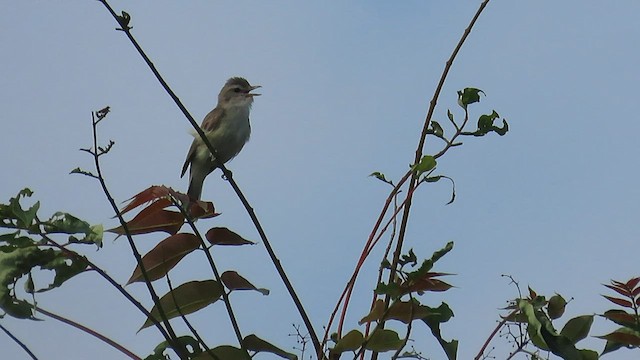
point(621, 291)
point(202, 210)
point(631, 284)
point(149, 194)
point(426, 285)
point(635, 292)
point(622, 338)
point(224, 236)
point(618, 301)
point(153, 218)
point(165, 256)
point(620, 317)
point(233, 281)
point(532, 294)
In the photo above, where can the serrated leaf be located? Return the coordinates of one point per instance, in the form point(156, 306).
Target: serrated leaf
point(164, 256)
point(189, 297)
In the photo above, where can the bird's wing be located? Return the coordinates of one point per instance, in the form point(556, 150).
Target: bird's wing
point(210, 123)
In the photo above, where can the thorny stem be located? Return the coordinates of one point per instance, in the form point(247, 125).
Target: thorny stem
point(228, 176)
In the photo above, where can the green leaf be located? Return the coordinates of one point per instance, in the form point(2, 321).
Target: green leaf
point(588, 354)
point(427, 163)
point(437, 129)
point(13, 212)
point(382, 340)
point(577, 328)
point(16, 262)
point(224, 352)
point(427, 265)
point(254, 343)
point(432, 179)
point(469, 96)
point(187, 342)
point(441, 315)
point(380, 176)
point(556, 306)
point(486, 125)
point(65, 223)
point(393, 290)
point(350, 342)
point(189, 297)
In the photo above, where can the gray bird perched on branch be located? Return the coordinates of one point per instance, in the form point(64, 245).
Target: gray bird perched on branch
point(227, 128)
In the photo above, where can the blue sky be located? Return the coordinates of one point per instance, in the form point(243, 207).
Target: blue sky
point(554, 203)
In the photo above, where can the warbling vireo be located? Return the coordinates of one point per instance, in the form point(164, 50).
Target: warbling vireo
point(227, 128)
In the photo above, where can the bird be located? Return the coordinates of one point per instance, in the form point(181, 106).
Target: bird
point(226, 127)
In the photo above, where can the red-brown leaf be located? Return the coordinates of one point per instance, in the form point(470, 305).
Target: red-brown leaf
point(426, 285)
point(621, 291)
point(165, 256)
point(153, 218)
point(224, 236)
point(150, 194)
point(618, 301)
point(233, 281)
point(631, 284)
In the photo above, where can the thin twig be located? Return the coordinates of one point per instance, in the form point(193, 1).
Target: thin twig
point(187, 322)
point(493, 334)
point(216, 274)
point(169, 335)
point(420, 148)
point(228, 175)
point(17, 341)
point(90, 332)
point(102, 273)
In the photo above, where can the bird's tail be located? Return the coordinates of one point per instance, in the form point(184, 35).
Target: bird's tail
point(195, 188)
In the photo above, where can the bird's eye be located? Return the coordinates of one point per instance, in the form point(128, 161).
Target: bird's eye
point(237, 90)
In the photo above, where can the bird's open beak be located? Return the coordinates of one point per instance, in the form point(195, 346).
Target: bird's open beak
point(253, 88)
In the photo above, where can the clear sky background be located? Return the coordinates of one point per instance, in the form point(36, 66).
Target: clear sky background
point(554, 203)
